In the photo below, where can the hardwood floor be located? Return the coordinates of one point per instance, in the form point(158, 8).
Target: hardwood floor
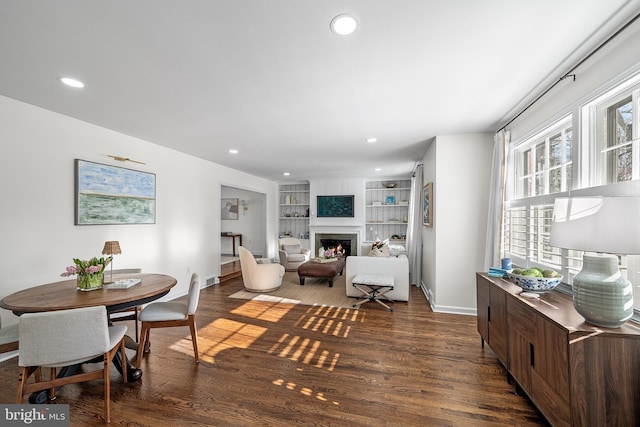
point(229, 271)
point(269, 364)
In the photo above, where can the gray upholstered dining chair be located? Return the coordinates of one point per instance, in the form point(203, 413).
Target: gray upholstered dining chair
point(131, 313)
point(8, 338)
point(55, 339)
point(169, 314)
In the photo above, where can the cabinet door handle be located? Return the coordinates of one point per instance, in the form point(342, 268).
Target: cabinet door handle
point(532, 355)
point(489, 313)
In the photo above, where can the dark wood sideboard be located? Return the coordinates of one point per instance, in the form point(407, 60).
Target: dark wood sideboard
point(575, 373)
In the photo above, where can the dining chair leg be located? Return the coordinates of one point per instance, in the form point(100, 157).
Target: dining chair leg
point(142, 344)
point(147, 341)
point(194, 336)
point(52, 390)
point(135, 319)
point(22, 380)
point(124, 361)
point(107, 385)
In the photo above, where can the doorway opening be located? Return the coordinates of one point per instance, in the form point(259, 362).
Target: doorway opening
point(243, 222)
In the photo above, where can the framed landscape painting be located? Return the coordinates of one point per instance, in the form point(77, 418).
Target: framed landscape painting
point(427, 205)
point(107, 194)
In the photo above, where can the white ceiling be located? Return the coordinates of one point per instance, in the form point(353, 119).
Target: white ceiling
point(269, 79)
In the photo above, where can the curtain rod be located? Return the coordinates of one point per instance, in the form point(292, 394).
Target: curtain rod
point(575, 67)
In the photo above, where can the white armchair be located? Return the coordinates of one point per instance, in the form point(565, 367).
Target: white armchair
point(259, 277)
point(292, 254)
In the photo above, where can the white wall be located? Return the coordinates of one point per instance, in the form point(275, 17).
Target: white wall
point(250, 223)
point(334, 187)
point(37, 191)
point(611, 65)
point(453, 250)
point(429, 254)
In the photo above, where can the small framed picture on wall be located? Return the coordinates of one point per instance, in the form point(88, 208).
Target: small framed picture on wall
point(427, 205)
point(229, 209)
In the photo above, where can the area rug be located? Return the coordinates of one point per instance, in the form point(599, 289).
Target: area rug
point(314, 292)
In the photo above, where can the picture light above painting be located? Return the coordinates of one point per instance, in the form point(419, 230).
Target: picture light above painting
point(107, 194)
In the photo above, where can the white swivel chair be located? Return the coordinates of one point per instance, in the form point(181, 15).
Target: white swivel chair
point(259, 277)
point(169, 314)
point(292, 254)
point(8, 338)
point(55, 339)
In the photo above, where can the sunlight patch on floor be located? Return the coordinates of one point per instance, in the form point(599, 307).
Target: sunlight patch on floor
point(329, 320)
point(304, 350)
point(303, 390)
point(257, 309)
point(223, 334)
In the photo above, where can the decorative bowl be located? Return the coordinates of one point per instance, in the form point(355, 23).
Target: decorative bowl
point(535, 284)
point(389, 184)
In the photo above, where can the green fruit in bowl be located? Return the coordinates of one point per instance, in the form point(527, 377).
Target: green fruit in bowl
point(549, 274)
point(532, 272)
point(517, 271)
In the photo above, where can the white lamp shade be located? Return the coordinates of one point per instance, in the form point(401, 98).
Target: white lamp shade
point(597, 224)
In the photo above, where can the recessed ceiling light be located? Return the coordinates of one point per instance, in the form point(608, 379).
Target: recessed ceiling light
point(233, 151)
point(71, 82)
point(344, 24)
point(372, 140)
point(377, 169)
point(286, 174)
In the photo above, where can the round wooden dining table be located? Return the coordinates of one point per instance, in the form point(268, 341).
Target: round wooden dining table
point(64, 295)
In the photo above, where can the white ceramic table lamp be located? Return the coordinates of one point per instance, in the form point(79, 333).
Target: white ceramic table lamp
point(605, 225)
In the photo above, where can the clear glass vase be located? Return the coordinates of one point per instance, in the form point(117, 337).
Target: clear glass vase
point(89, 282)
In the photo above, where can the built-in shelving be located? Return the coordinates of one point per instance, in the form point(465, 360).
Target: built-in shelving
point(294, 210)
point(387, 209)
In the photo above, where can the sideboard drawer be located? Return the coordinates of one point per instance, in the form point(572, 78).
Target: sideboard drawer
point(521, 318)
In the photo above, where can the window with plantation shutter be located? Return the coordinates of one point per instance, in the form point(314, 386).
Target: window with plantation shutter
point(526, 231)
point(602, 159)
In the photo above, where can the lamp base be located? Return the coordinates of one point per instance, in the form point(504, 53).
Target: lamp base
point(110, 281)
point(601, 294)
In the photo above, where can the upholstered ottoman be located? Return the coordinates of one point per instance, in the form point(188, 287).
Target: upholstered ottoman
point(373, 287)
point(321, 270)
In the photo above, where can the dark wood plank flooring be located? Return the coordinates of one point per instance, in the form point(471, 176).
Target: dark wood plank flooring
point(230, 271)
point(269, 364)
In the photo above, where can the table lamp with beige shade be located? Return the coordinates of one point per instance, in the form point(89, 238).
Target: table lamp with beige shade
point(111, 248)
point(602, 226)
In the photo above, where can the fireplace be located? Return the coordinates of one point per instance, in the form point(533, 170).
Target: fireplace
point(348, 242)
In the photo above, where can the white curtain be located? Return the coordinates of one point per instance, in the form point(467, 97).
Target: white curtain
point(414, 228)
point(492, 253)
